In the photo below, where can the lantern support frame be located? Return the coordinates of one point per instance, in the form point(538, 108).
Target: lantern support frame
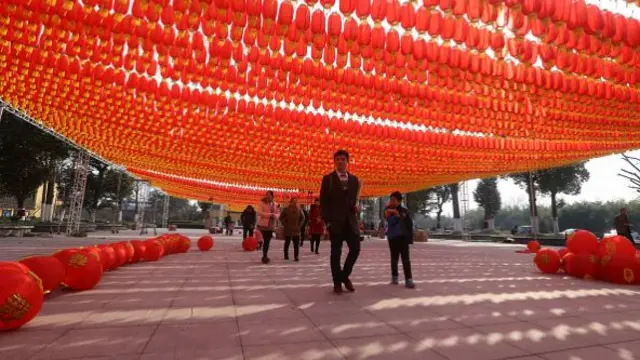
point(81, 172)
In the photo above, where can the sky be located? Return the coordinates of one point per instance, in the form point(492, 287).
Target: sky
point(604, 185)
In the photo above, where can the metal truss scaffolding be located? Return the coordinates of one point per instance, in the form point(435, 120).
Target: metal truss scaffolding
point(76, 195)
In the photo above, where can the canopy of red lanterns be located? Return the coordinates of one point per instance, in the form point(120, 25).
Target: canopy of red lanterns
point(222, 99)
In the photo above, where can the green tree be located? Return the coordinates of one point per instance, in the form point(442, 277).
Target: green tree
point(419, 202)
point(440, 195)
point(457, 221)
point(561, 180)
point(28, 157)
point(529, 183)
point(488, 198)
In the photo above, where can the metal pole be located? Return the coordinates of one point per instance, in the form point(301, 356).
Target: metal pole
point(165, 212)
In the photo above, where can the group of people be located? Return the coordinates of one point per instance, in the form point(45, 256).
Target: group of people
point(294, 220)
point(336, 210)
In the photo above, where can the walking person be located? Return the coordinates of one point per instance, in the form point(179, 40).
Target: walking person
point(339, 195)
point(316, 226)
point(399, 236)
point(291, 219)
point(303, 225)
point(623, 227)
point(208, 221)
point(268, 214)
point(248, 220)
point(228, 225)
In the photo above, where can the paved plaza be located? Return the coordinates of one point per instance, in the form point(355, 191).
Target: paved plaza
point(472, 302)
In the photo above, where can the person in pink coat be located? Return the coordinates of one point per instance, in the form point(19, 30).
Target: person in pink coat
point(267, 215)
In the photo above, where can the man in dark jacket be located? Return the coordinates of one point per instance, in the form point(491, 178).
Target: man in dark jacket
point(248, 220)
point(623, 228)
point(338, 203)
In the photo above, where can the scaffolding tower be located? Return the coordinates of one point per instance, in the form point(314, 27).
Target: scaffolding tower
point(464, 209)
point(142, 201)
point(76, 195)
point(165, 212)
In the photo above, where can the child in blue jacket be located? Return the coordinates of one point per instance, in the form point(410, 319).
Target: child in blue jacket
point(399, 236)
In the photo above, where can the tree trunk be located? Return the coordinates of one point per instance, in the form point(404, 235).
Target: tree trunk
point(43, 203)
point(438, 216)
point(533, 207)
point(20, 201)
point(51, 189)
point(491, 224)
point(457, 221)
point(554, 213)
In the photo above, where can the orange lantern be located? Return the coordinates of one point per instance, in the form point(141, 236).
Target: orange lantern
point(582, 242)
point(205, 243)
point(48, 268)
point(21, 298)
point(547, 261)
point(82, 271)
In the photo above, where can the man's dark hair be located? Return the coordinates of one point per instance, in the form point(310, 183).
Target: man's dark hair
point(341, 153)
point(397, 195)
point(270, 192)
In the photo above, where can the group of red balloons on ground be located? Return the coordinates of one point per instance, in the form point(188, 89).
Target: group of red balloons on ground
point(24, 283)
point(613, 259)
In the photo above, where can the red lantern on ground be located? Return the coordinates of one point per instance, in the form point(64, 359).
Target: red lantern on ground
point(533, 246)
point(616, 245)
point(139, 248)
point(620, 269)
point(121, 255)
point(172, 228)
point(13, 266)
point(249, 244)
point(562, 252)
point(582, 242)
point(547, 261)
point(581, 265)
point(108, 257)
point(130, 251)
point(205, 243)
point(21, 298)
point(153, 250)
point(48, 268)
point(82, 271)
point(64, 255)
